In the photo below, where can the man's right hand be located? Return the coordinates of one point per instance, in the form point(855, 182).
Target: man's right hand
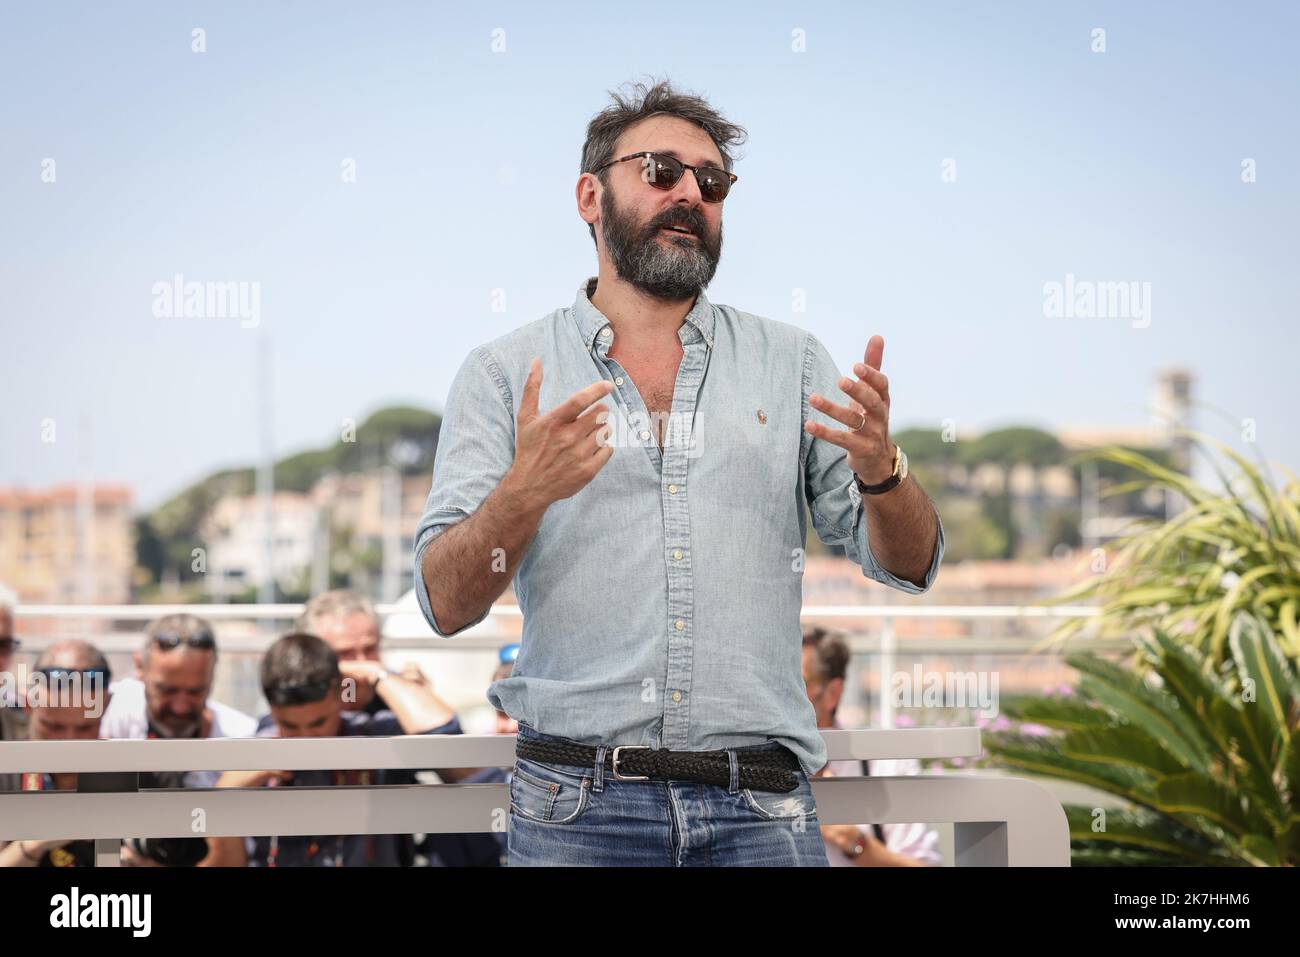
point(558, 453)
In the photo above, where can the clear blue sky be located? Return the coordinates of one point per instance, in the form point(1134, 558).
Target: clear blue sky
point(226, 166)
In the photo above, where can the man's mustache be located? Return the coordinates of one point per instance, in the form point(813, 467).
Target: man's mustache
point(694, 222)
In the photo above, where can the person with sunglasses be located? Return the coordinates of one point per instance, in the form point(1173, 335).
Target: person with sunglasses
point(75, 676)
point(644, 465)
point(170, 695)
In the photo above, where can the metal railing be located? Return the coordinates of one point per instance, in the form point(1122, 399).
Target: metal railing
point(999, 821)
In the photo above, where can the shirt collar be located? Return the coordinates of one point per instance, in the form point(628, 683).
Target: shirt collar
point(591, 320)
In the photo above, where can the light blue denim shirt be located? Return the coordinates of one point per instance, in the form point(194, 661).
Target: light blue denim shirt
point(661, 602)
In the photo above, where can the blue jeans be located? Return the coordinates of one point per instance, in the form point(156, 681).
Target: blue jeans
point(566, 815)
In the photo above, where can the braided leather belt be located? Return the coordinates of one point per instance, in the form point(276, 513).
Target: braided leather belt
point(769, 770)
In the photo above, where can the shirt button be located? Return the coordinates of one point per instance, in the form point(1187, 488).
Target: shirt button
point(618, 380)
point(677, 696)
point(645, 436)
point(679, 624)
point(605, 333)
point(672, 490)
point(677, 554)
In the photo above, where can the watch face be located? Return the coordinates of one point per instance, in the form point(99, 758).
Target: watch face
point(902, 466)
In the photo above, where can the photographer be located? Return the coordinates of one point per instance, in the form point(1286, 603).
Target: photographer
point(303, 683)
point(70, 670)
point(170, 697)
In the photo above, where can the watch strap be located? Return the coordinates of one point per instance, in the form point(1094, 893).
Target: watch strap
point(887, 484)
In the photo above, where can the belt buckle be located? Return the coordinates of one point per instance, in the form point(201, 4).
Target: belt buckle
point(614, 763)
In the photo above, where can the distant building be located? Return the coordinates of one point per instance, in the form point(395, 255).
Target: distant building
point(236, 535)
point(1171, 413)
point(357, 526)
point(1043, 499)
point(378, 511)
point(68, 544)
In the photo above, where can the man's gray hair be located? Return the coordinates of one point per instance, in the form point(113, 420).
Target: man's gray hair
point(645, 101)
point(332, 606)
point(182, 626)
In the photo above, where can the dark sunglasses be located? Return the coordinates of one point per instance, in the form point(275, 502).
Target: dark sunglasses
point(63, 676)
point(9, 644)
point(663, 171)
point(202, 640)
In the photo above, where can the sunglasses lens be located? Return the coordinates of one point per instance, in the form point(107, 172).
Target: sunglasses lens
point(661, 171)
point(64, 676)
point(202, 640)
point(714, 185)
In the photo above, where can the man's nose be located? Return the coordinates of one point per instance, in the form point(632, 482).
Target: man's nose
point(687, 190)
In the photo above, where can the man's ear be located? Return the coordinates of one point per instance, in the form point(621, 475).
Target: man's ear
point(834, 690)
point(587, 193)
point(139, 665)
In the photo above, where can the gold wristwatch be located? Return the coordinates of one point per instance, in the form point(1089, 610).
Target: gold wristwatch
point(899, 473)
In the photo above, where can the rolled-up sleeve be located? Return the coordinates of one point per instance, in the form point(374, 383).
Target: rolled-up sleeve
point(832, 495)
point(476, 446)
point(451, 727)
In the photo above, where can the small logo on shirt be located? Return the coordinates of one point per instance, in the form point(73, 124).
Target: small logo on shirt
point(762, 417)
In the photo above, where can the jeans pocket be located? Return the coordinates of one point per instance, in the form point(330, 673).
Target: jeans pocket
point(782, 805)
point(545, 795)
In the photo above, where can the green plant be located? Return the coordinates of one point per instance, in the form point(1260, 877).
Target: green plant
point(1189, 576)
point(1208, 763)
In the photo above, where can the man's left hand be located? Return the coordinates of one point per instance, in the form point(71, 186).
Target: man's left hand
point(363, 671)
point(871, 453)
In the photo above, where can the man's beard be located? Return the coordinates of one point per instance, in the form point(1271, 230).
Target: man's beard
point(669, 269)
point(172, 726)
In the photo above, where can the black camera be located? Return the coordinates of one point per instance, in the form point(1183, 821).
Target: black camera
point(170, 851)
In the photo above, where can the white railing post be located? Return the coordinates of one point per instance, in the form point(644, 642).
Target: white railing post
point(888, 649)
